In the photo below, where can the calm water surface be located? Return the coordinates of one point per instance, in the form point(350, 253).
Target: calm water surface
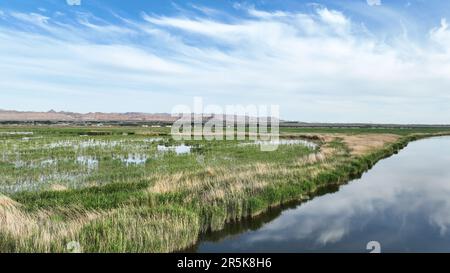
point(403, 202)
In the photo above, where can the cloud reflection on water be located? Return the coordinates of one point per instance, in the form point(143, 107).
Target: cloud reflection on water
point(403, 202)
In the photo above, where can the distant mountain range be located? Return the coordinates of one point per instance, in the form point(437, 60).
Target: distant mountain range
point(62, 116)
point(7, 115)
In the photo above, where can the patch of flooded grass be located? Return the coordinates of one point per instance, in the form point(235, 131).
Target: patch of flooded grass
point(178, 149)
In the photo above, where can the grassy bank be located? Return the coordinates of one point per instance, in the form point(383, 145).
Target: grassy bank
point(133, 191)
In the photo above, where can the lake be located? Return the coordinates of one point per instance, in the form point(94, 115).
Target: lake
point(402, 203)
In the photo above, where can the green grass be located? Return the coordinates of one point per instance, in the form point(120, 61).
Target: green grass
point(106, 197)
point(61, 185)
point(141, 229)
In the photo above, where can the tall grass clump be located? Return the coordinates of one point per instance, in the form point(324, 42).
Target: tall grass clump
point(141, 229)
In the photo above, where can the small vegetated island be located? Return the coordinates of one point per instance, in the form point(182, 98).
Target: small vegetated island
point(135, 189)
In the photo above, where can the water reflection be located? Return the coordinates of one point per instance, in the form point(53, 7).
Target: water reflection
point(403, 202)
point(16, 133)
point(89, 161)
point(178, 149)
point(134, 159)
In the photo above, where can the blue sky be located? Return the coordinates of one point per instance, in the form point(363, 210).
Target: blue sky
point(330, 61)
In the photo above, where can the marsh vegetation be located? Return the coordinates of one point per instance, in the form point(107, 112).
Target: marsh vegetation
point(138, 190)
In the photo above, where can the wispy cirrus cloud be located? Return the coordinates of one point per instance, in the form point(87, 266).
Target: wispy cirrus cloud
point(319, 65)
point(374, 2)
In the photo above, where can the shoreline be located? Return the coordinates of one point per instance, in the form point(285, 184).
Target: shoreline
point(367, 161)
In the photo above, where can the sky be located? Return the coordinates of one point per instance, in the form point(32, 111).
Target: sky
point(321, 61)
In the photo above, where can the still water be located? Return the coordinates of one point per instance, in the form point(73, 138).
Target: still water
point(403, 203)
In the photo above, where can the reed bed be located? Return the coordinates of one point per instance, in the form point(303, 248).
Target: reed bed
point(116, 191)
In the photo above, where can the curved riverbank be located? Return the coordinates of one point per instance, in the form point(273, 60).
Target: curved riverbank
point(402, 203)
point(344, 172)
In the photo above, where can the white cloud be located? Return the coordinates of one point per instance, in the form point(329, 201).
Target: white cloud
point(374, 2)
point(318, 66)
point(335, 19)
point(206, 10)
point(441, 34)
point(73, 2)
point(267, 15)
point(33, 18)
